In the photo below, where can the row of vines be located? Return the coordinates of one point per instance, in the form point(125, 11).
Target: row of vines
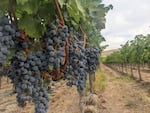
point(134, 54)
point(48, 40)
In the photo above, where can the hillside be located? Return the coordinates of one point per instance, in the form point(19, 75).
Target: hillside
point(108, 52)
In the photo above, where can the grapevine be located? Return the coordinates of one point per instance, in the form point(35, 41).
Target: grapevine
point(61, 54)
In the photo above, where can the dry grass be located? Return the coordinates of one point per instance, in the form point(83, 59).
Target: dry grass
point(100, 81)
point(124, 78)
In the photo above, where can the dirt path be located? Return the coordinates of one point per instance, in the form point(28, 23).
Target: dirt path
point(124, 95)
point(121, 95)
point(8, 102)
point(64, 99)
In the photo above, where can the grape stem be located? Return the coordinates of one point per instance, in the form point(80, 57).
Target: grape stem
point(67, 55)
point(59, 12)
point(23, 36)
point(46, 75)
point(59, 71)
point(66, 46)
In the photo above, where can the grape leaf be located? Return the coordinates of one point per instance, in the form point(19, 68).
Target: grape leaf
point(61, 3)
point(4, 5)
point(80, 8)
point(32, 26)
point(22, 2)
point(74, 13)
point(30, 7)
point(46, 12)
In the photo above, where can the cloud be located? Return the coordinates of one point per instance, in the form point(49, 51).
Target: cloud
point(127, 19)
point(116, 42)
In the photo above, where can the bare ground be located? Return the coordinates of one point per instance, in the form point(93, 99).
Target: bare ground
point(64, 99)
point(121, 95)
point(124, 95)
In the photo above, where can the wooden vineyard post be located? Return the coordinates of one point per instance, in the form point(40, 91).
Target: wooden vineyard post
point(131, 71)
point(0, 82)
point(139, 72)
point(91, 80)
point(81, 94)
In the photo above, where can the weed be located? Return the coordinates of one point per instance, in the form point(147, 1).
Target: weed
point(100, 81)
point(130, 104)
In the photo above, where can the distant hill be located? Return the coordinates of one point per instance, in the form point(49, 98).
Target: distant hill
point(108, 52)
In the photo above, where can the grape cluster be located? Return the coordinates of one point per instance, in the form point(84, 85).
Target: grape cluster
point(26, 76)
point(10, 37)
point(7, 39)
point(26, 70)
point(21, 44)
point(82, 62)
point(54, 42)
point(92, 59)
point(76, 70)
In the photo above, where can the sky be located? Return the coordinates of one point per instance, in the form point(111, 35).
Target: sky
point(127, 19)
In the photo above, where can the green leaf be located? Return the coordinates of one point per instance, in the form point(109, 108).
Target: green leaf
point(77, 8)
point(80, 8)
point(32, 26)
point(29, 7)
point(61, 2)
point(4, 5)
point(73, 13)
point(47, 11)
point(22, 2)
point(75, 25)
point(50, 67)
